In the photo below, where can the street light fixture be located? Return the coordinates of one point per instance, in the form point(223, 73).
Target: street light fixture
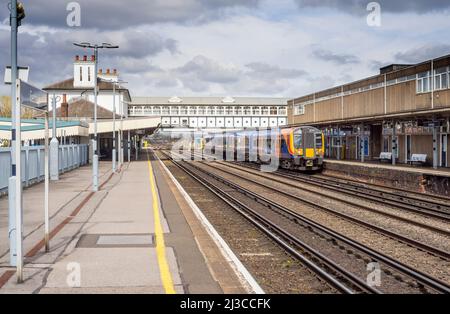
point(95, 159)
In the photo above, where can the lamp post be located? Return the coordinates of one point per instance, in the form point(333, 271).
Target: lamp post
point(17, 13)
point(114, 129)
point(95, 144)
point(121, 151)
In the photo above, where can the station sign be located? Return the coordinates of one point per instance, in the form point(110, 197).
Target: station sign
point(32, 97)
point(22, 72)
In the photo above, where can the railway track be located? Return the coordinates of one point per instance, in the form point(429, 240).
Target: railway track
point(421, 206)
point(352, 203)
point(278, 226)
point(437, 200)
point(393, 235)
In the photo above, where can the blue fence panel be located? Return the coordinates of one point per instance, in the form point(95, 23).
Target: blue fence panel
point(33, 163)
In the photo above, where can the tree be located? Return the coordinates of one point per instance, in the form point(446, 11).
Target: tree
point(5, 109)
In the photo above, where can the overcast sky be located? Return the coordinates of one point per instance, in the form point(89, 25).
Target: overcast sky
point(281, 48)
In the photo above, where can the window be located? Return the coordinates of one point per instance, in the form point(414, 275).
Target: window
point(220, 111)
point(441, 79)
point(299, 110)
point(386, 144)
point(165, 110)
point(282, 111)
point(211, 111)
point(147, 110)
point(156, 111)
point(174, 110)
point(229, 111)
point(264, 111)
point(238, 111)
point(298, 140)
point(423, 82)
point(183, 110)
point(273, 111)
point(256, 111)
point(201, 110)
point(89, 74)
point(192, 111)
point(247, 111)
point(81, 74)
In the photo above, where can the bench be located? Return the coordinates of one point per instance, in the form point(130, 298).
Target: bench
point(418, 158)
point(385, 156)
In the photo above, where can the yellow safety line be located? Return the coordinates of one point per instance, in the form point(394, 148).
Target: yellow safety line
point(164, 270)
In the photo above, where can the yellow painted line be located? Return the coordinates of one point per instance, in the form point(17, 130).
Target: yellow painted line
point(166, 276)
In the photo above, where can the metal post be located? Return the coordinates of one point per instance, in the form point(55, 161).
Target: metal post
point(12, 179)
point(95, 143)
point(129, 147)
point(330, 143)
point(394, 143)
point(54, 145)
point(362, 142)
point(435, 146)
point(339, 146)
point(16, 144)
point(114, 129)
point(136, 147)
point(121, 135)
point(46, 197)
point(18, 183)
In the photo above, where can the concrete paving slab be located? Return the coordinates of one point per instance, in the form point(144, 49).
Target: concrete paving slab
point(114, 267)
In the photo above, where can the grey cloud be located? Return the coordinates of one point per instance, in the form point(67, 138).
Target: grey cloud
point(202, 73)
point(50, 55)
point(205, 69)
point(265, 70)
point(115, 14)
point(423, 53)
point(359, 6)
point(337, 58)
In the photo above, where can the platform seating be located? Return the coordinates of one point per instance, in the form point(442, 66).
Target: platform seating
point(385, 156)
point(418, 159)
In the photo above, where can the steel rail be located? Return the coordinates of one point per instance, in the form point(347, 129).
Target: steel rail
point(415, 274)
point(285, 239)
point(393, 235)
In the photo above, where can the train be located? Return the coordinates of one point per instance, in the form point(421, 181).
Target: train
point(294, 148)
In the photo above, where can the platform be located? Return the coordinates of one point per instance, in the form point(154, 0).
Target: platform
point(421, 179)
point(138, 234)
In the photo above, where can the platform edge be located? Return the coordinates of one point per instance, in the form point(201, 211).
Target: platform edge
point(240, 270)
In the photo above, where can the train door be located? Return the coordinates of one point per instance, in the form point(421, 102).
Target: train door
point(444, 149)
point(408, 147)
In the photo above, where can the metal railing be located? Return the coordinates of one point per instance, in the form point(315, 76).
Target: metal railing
point(70, 157)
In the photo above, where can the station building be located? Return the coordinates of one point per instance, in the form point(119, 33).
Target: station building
point(401, 114)
point(212, 112)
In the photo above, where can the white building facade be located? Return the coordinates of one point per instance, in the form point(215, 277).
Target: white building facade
point(82, 86)
point(212, 112)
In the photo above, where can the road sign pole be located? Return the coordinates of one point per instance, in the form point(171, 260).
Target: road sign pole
point(46, 197)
